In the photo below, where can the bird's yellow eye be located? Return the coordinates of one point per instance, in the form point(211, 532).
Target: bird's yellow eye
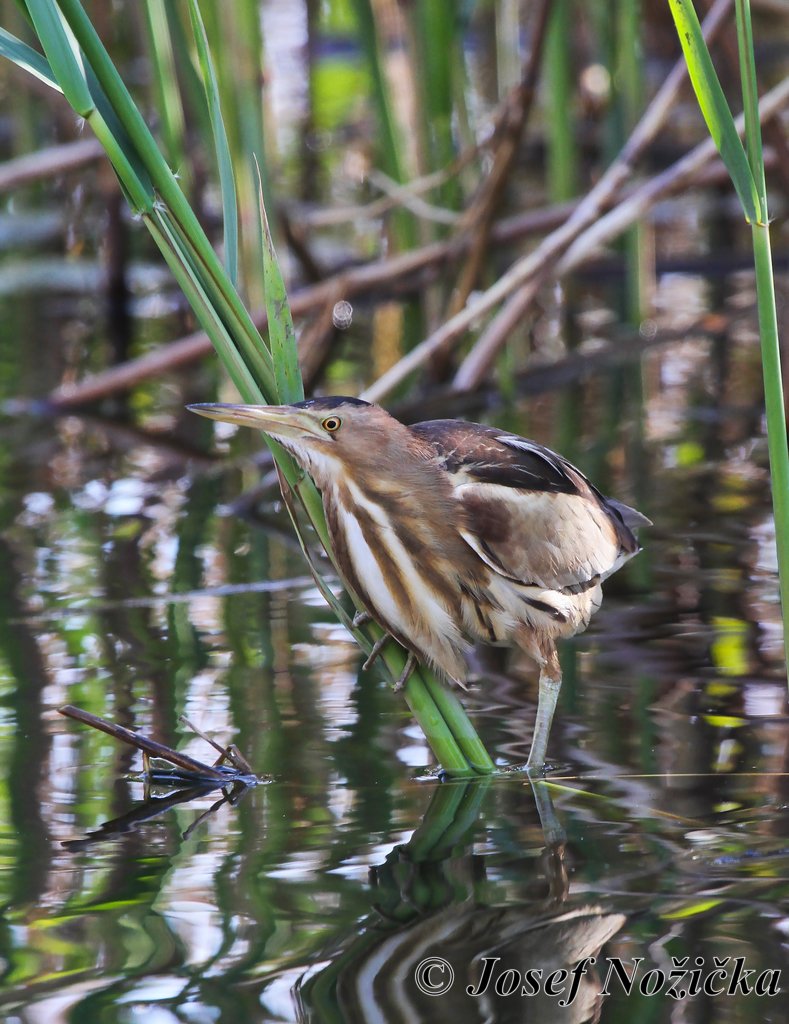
point(332, 424)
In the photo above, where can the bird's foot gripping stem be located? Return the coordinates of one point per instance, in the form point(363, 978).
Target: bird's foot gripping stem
point(361, 619)
point(378, 646)
point(408, 668)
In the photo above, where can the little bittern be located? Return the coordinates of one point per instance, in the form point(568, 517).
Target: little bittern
point(450, 532)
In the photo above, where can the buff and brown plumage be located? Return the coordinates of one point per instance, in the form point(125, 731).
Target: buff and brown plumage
point(450, 532)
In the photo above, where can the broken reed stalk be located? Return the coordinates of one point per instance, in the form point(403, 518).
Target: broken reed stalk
point(153, 748)
point(51, 162)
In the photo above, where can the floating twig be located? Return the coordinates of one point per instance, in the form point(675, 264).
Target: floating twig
point(155, 806)
point(192, 772)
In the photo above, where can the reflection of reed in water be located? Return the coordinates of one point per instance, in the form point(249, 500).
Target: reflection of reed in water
point(493, 961)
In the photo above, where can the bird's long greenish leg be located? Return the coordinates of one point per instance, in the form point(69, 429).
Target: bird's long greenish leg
point(546, 705)
point(551, 826)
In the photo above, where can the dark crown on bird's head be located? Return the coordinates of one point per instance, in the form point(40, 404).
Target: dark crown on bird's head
point(329, 402)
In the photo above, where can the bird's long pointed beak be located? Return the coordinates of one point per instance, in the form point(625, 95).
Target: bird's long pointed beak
point(277, 420)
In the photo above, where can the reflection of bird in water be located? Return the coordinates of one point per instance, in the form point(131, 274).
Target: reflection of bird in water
point(450, 531)
point(465, 960)
point(498, 959)
point(448, 942)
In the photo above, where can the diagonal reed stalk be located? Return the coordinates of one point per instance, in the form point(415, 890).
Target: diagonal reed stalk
point(746, 167)
point(77, 64)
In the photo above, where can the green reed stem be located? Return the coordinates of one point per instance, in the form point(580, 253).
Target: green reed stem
point(746, 167)
point(444, 743)
point(768, 319)
point(560, 128)
point(455, 716)
point(165, 84)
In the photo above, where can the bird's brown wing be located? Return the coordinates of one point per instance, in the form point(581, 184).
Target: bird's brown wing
point(529, 514)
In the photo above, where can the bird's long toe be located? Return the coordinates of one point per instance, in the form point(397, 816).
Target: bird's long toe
point(378, 646)
point(405, 675)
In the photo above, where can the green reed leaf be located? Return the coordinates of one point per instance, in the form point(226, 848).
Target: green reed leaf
point(281, 333)
point(27, 58)
point(227, 181)
point(166, 84)
point(63, 54)
point(715, 108)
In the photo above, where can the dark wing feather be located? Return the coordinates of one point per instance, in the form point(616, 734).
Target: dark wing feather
point(478, 450)
point(531, 515)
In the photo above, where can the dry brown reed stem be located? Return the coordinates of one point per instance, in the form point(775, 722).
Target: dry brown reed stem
point(381, 275)
point(152, 748)
point(347, 284)
point(605, 228)
point(528, 273)
point(395, 194)
point(406, 200)
point(406, 195)
point(46, 163)
point(316, 340)
point(477, 219)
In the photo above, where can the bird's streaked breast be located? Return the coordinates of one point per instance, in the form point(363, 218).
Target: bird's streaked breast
point(417, 599)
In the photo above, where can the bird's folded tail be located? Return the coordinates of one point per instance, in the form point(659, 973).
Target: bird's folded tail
point(631, 517)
